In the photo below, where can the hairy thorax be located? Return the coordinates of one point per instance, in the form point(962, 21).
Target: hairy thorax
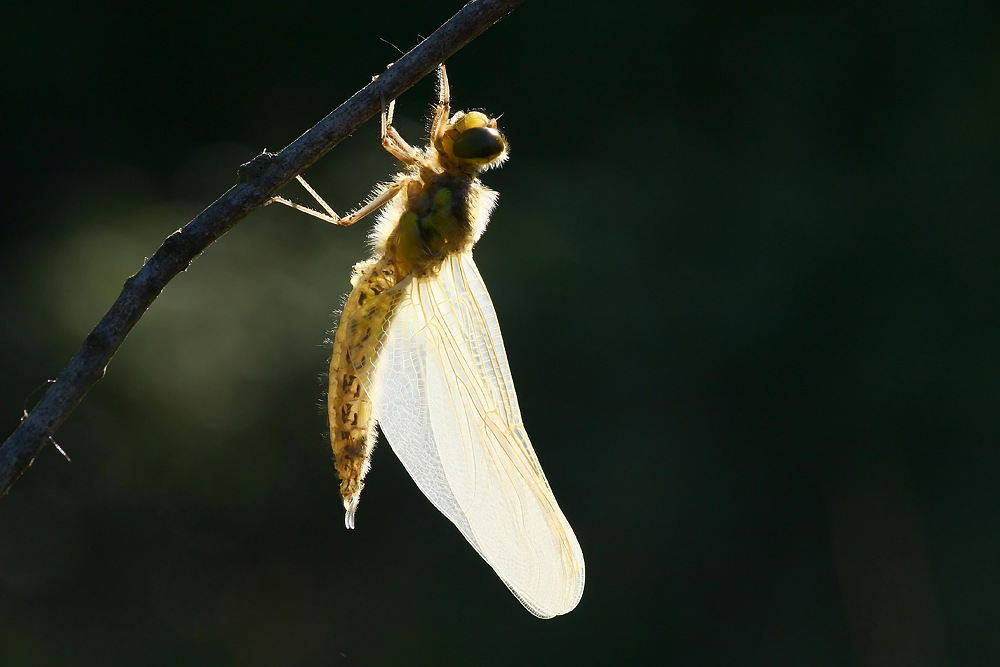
point(437, 219)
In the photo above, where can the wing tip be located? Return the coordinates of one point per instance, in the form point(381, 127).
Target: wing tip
point(571, 597)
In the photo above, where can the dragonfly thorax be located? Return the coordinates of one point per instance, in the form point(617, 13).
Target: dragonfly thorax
point(436, 223)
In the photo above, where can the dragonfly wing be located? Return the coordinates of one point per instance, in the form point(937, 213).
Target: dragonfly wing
point(445, 399)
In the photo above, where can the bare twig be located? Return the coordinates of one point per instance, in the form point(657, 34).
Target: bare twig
point(258, 181)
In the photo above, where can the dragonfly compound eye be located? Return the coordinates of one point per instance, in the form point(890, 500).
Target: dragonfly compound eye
point(478, 143)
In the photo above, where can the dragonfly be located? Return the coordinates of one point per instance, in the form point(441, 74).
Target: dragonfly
point(418, 351)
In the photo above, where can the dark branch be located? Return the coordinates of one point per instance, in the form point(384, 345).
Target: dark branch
point(258, 182)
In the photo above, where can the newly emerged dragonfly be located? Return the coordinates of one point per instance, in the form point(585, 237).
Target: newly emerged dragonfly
point(418, 350)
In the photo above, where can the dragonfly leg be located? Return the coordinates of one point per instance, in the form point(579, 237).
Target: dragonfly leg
point(393, 142)
point(382, 196)
point(442, 111)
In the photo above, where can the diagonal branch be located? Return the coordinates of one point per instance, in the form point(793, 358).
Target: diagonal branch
point(258, 181)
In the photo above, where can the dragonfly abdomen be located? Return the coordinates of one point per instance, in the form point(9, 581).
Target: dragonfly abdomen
point(352, 421)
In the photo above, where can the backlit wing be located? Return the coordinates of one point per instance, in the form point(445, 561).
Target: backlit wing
point(445, 399)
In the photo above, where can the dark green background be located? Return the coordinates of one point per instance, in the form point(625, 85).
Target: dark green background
point(747, 261)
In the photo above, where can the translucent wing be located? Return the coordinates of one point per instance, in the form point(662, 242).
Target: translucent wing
point(444, 397)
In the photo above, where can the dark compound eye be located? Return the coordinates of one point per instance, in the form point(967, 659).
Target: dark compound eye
point(478, 143)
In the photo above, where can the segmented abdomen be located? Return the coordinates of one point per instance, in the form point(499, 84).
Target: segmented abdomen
point(352, 420)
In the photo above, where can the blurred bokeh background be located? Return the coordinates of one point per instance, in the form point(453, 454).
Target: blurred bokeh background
point(747, 262)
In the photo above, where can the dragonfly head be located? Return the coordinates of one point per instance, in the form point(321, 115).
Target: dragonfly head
point(473, 138)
